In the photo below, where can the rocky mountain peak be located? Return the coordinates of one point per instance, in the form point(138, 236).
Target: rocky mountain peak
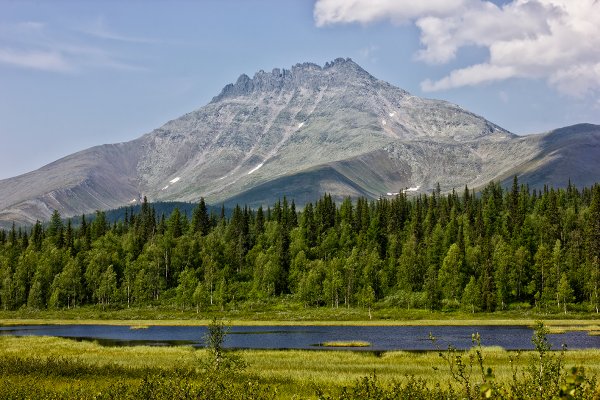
point(340, 71)
point(346, 65)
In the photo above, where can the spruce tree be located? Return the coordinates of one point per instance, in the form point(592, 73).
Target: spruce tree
point(200, 219)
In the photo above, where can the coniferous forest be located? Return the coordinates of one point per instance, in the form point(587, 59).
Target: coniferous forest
point(499, 249)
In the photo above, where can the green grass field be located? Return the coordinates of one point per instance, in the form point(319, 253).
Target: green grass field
point(291, 313)
point(291, 372)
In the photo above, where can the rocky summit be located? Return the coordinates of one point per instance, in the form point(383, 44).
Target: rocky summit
point(300, 133)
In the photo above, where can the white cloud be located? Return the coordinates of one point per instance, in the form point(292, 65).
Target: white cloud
point(366, 52)
point(470, 76)
point(42, 60)
point(364, 11)
point(369, 53)
point(99, 29)
point(34, 45)
point(578, 80)
point(554, 40)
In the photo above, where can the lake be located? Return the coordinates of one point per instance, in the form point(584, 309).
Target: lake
point(382, 338)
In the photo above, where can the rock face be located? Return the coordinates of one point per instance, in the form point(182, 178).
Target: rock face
point(300, 133)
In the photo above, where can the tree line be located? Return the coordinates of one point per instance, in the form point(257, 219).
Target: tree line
point(495, 250)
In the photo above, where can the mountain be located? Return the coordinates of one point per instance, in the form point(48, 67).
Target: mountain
point(302, 132)
point(570, 153)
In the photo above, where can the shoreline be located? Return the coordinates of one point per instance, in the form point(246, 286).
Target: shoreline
point(563, 323)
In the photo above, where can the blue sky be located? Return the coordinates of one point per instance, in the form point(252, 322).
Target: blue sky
point(74, 74)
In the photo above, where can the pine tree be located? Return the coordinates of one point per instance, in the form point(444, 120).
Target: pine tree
point(293, 216)
point(37, 236)
point(70, 238)
point(259, 224)
point(175, 223)
point(200, 219)
point(99, 225)
point(432, 288)
point(593, 224)
point(55, 225)
point(309, 226)
point(84, 233)
point(514, 215)
point(55, 229)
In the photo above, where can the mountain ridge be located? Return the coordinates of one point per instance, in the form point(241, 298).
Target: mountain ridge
point(334, 128)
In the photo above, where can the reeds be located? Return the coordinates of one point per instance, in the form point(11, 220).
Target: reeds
point(350, 343)
point(91, 368)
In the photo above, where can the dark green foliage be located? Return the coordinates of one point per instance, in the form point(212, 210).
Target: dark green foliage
point(368, 388)
point(593, 225)
point(200, 219)
point(27, 378)
point(481, 252)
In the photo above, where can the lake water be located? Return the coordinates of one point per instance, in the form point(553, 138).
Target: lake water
point(382, 338)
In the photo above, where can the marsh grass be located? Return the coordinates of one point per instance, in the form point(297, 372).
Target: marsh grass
point(288, 312)
point(89, 367)
point(351, 343)
point(137, 327)
point(575, 326)
point(557, 325)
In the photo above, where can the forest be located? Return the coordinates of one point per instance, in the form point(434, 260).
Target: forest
point(498, 249)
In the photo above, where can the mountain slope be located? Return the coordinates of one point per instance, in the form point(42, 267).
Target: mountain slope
point(569, 153)
point(101, 177)
point(301, 132)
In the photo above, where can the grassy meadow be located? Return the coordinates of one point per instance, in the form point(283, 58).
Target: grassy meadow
point(292, 313)
point(288, 374)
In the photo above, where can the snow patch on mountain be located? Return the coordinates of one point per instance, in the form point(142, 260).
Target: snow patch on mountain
point(256, 168)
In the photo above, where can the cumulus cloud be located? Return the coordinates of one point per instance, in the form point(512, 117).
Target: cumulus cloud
point(364, 11)
point(470, 76)
point(555, 40)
